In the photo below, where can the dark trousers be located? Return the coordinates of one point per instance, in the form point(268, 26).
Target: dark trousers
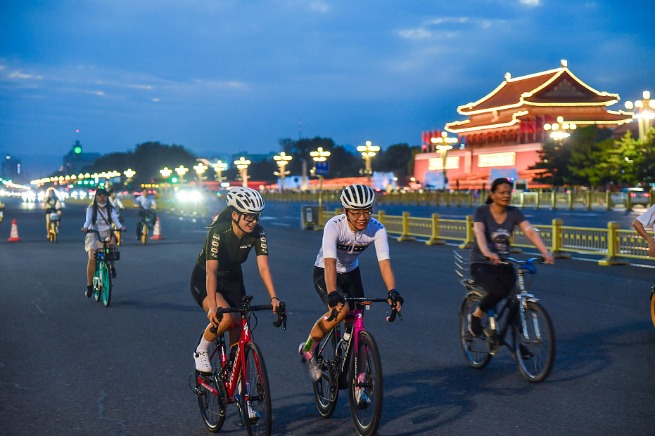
point(498, 281)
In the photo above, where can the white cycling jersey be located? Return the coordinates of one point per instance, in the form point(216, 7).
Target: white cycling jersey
point(340, 242)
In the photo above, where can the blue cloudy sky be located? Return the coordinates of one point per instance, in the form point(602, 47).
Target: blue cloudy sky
point(226, 75)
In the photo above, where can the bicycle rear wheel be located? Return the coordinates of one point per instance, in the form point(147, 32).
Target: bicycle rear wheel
point(326, 389)
point(535, 346)
point(211, 400)
point(366, 408)
point(652, 307)
point(52, 233)
point(257, 407)
point(97, 282)
point(475, 348)
point(144, 234)
point(105, 279)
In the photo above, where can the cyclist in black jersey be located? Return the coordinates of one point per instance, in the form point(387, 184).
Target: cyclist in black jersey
point(217, 279)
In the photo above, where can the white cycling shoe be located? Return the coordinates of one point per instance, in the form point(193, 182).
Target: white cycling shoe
point(202, 361)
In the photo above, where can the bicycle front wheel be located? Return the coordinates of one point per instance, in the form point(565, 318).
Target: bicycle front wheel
point(105, 280)
point(475, 348)
point(535, 343)
point(257, 407)
point(326, 389)
point(144, 234)
point(365, 389)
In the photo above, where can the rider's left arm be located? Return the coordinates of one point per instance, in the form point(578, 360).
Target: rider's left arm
point(267, 278)
point(536, 240)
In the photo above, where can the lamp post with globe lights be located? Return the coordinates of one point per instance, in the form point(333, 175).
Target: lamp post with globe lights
point(128, 173)
point(282, 160)
point(200, 169)
point(319, 155)
point(644, 113)
point(443, 144)
point(219, 166)
point(368, 151)
point(560, 130)
point(242, 166)
point(181, 171)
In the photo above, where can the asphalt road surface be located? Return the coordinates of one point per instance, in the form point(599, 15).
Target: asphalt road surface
point(69, 366)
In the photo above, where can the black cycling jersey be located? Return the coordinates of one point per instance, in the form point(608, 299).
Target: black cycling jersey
point(223, 245)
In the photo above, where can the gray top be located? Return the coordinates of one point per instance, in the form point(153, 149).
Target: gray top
point(497, 235)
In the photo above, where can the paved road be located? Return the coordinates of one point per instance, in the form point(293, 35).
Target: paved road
point(70, 366)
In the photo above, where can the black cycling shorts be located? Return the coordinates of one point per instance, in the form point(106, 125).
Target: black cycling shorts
point(349, 284)
point(231, 288)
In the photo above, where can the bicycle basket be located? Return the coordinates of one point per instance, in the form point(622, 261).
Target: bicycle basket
point(108, 254)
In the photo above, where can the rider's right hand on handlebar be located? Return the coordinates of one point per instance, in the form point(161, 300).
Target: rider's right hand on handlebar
point(212, 316)
point(334, 299)
point(494, 259)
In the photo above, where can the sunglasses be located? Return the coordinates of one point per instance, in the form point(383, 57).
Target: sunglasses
point(251, 217)
point(360, 213)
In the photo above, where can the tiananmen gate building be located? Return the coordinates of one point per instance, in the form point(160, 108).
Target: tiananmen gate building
point(504, 130)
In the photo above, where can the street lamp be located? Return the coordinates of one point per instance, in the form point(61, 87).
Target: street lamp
point(129, 173)
point(319, 155)
point(165, 172)
point(242, 165)
point(560, 130)
point(443, 144)
point(219, 166)
point(644, 113)
point(282, 160)
point(368, 151)
point(200, 170)
point(181, 171)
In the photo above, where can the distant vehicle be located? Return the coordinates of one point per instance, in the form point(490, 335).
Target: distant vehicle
point(638, 196)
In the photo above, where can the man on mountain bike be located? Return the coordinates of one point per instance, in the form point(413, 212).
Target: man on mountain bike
point(336, 268)
point(146, 206)
point(51, 204)
point(217, 279)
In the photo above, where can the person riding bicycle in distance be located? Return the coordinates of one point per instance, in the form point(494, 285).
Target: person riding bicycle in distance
point(217, 279)
point(146, 205)
point(336, 267)
point(100, 215)
point(493, 224)
point(52, 204)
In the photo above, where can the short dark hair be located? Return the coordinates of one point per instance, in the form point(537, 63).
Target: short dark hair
point(496, 183)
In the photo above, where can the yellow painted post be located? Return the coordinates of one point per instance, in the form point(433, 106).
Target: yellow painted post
point(608, 200)
point(469, 233)
point(471, 198)
point(570, 200)
point(556, 245)
point(628, 202)
point(404, 236)
point(538, 198)
point(381, 217)
point(434, 239)
point(613, 251)
point(553, 200)
point(459, 198)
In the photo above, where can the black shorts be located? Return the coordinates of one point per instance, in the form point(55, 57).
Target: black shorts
point(349, 284)
point(231, 288)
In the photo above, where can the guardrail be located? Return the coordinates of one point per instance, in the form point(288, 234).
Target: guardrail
point(613, 244)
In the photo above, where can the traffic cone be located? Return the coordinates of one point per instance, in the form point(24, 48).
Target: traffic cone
point(13, 236)
point(156, 232)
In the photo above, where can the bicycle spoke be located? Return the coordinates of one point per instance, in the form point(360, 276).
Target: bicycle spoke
point(535, 344)
point(366, 386)
point(257, 407)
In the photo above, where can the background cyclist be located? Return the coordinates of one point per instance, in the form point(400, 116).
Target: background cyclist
point(52, 204)
point(146, 205)
point(115, 202)
point(99, 216)
point(336, 268)
point(217, 279)
point(493, 224)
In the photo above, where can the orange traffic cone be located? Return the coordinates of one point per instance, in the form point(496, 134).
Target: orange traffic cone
point(13, 236)
point(156, 231)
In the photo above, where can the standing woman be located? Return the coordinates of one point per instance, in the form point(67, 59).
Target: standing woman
point(493, 225)
point(99, 216)
point(217, 279)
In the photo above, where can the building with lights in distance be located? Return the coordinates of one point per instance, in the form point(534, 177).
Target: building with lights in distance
point(504, 130)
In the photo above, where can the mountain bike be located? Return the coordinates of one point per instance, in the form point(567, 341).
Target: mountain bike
point(521, 324)
point(225, 384)
point(53, 227)
point(352, 361)
point(102, 276)
point(147, 223)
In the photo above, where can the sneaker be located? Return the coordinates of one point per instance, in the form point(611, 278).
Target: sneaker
point(311, 363)
point(202, 361)
point(88, 292)
point(252, 413)
point(361, 398)
point(113, 272)
point(475, 325)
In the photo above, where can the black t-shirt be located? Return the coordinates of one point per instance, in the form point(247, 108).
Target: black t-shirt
point(223, 245)
point(497, 235)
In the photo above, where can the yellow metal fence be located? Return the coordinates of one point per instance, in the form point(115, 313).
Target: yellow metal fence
point(613, 244)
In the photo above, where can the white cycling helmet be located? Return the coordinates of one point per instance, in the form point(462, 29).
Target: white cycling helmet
point(245, 200)
point(357, 197)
